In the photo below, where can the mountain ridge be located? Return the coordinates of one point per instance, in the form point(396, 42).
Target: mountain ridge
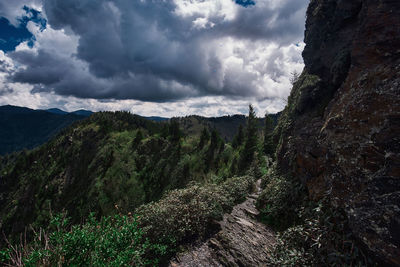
point(24, 128)
point(30, 128)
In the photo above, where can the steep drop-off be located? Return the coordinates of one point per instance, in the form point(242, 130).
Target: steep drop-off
point(339, 133)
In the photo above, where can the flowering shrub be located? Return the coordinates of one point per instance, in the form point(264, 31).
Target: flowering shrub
point(187, 214)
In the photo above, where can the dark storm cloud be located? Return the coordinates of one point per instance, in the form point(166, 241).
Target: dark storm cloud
point(144, 50)
point(283, 25)
point(49, 72)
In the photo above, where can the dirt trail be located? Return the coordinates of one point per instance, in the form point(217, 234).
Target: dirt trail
point(242, 240)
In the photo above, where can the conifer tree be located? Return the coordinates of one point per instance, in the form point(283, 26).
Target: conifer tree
point(214, 140)
point(250, 145)
point(174, 131)
point(238, 139)
point(138, 139)
point(204, 137)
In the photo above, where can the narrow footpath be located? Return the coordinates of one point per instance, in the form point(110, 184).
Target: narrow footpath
point(242, 240)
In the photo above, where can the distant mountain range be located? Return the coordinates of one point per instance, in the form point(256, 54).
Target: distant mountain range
point(81, 112)
point(25, 128)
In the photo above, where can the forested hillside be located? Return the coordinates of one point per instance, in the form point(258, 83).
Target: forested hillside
point(112, 163)
point(24, 128)
point(226, 126)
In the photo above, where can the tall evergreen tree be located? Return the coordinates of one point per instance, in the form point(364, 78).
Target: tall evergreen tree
point(174, 131)
point(138, 138)
point(238, 139)
point(204, 137)
point(250, 146)
point(214, 139)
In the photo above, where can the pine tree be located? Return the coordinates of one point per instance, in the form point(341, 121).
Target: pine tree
point(250, 145)
point(204, 137)
point(214, 140)
point(174, 131)
point(138, 138)
point(238, 139)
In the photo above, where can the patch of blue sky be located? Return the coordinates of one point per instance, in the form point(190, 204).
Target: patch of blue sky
point(245, 3)
point(11, 36)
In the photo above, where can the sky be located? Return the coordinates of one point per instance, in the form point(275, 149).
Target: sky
point(151, 57)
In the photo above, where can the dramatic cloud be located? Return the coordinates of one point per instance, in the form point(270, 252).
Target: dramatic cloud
point(13, 10)
point(170, 52)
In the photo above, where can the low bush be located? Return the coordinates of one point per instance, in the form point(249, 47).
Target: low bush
point(280, 200)
point(187, 214)
point(112, 241)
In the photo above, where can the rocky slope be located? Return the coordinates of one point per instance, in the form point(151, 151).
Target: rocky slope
point(241, 241)
point(340, 132)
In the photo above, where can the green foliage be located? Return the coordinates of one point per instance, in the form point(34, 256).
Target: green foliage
point(138, 139)
point(148, 238)
point(23, 128)
point(5, 255)
point(280, 200)
point(204, 137)
point(302, 98)
point(250, 146)
point(174, 131)
point(239, 137)
point(112, 241)
point(107, 159)
point(255, 169)
point(187, 214)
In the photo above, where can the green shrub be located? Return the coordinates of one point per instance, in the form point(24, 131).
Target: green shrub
point(280, 201)
point(187, 214)
point(112, 241)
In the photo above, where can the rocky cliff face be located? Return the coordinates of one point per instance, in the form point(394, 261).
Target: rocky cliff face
point(340, 132)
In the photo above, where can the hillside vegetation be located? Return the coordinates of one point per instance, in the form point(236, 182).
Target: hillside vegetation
point(112, 164)
point(226, 126)
point(24, 128)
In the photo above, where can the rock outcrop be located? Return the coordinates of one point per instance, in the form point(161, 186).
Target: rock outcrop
point(340, 132)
